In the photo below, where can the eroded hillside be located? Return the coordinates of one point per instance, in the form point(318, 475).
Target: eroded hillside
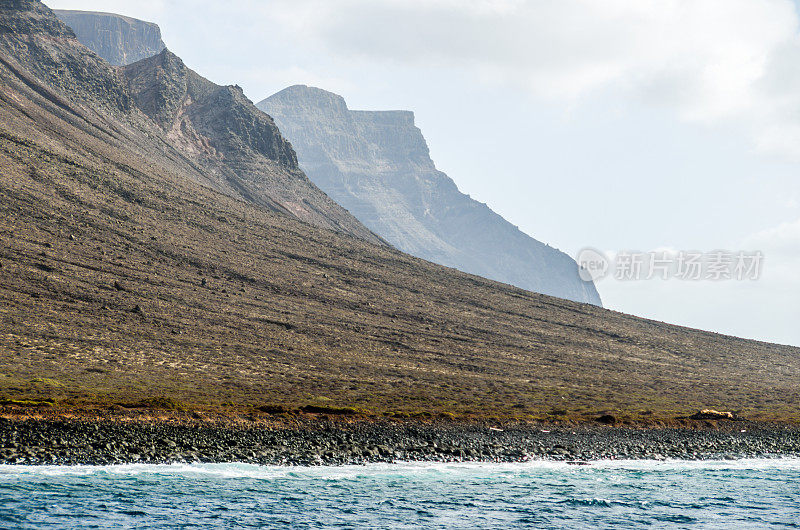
point(125, 274)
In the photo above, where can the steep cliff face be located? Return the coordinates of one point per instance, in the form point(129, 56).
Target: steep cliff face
point(118, 39)
point(378, 166)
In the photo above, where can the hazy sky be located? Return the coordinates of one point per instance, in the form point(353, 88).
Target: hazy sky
point(619, 125)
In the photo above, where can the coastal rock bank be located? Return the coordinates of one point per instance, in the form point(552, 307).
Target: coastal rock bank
point(38, 442)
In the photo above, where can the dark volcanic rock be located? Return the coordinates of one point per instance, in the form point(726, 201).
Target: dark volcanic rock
point(377, 165)
point(607, 419)
point(306, 444)
point(118, 39)
point(182, 102)
point(42, 52)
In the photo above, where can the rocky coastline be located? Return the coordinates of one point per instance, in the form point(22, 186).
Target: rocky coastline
point(331, 442)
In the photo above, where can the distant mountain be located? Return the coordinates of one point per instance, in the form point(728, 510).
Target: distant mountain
point(118, 39)
point(378, 166)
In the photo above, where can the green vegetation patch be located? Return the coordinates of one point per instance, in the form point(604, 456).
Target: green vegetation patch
point(159, 402)
point(342, 411)
point(27, 403)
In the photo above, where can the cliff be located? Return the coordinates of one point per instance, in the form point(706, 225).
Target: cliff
point(374, 164)
point(378, 166)
point(118, 39)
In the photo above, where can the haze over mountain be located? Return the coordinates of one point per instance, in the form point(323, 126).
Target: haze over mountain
point(118, 39)
point(378, 166)
point(131, 268)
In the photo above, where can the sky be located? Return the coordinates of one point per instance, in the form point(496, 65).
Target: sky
point(622, 125)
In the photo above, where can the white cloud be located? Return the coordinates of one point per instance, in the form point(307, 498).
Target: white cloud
point(783, 240)
point(712, 61)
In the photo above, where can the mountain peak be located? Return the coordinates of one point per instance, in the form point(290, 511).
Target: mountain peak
point(165, 60)
point(180, 100)
point(309, 97)
point(158, 85)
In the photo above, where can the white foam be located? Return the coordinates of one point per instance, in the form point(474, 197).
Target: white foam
point(429, 469)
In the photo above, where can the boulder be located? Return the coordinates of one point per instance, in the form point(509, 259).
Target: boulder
point(607, 419)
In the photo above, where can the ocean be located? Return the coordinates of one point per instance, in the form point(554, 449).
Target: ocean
point(625, 494)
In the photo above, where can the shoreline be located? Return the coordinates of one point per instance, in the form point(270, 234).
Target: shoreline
point(325, 441)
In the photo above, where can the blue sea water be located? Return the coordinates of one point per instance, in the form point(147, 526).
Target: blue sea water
point(711, 494)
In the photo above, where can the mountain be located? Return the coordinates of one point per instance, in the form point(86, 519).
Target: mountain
point(130, 275)
point(118, 39)
point(378, 166)
point(375, 164)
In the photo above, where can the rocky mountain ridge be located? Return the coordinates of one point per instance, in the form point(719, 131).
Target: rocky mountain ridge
point(377, 165)
point(213, 133)
point(239, 147)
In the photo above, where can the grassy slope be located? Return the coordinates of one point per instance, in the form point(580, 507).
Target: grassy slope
point(241, 307)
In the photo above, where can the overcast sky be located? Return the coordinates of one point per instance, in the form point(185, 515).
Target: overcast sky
point(618, 125)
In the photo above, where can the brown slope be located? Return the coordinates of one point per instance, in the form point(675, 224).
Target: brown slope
point(122, 277)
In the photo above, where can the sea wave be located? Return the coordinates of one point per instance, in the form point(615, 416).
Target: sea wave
point(717, 493)
point(246, 470)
